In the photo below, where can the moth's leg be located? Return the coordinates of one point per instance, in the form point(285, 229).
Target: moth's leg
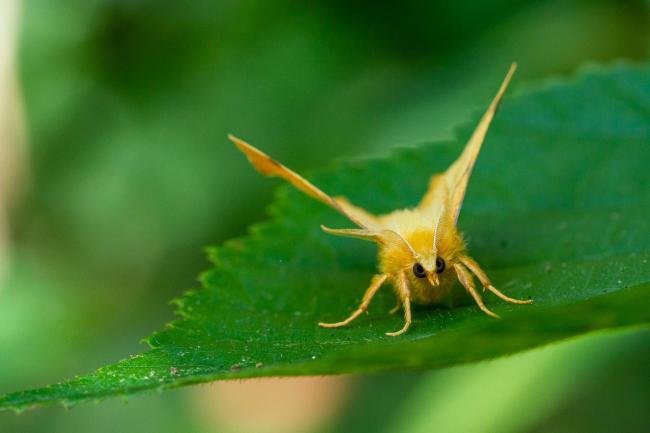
point(375, 284)
point(405, 297)
point(398, 305)
point(467, 281)
point(485, 281)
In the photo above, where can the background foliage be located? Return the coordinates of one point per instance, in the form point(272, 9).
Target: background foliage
point(128, 104)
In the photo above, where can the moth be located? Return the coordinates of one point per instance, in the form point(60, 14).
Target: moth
point(421, 252)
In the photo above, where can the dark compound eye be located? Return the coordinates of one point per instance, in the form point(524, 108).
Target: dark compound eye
point(418, 271)
point(440, 265)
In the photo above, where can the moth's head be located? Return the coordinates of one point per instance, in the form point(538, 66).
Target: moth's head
point(433, 256)
point(426, 264)
point(428, 267)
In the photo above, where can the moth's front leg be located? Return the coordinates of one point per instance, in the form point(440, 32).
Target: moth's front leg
point(467, 281)
point(405, 296)
point(375, 284)
point(485, 281)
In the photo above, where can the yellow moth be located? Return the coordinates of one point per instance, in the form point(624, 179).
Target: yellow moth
point(421, 252)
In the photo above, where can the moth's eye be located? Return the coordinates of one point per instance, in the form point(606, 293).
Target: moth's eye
point(440, 265)
point(418, 271)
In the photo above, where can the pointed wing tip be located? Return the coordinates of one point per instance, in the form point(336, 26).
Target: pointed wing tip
point(506, 80)
point(241, 144)
point(330, 230)
point(260, 160)
point(253, 153)
point(502, 89)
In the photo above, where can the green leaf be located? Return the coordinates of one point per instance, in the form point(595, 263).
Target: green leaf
point(557, 210)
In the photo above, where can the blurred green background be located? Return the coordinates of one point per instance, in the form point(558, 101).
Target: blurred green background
point(127, 174)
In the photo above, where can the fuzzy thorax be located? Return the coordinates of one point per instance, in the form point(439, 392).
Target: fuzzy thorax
point(422, 244)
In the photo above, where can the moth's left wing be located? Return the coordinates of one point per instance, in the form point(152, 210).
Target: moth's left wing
point(270, 167)
point(447, 190)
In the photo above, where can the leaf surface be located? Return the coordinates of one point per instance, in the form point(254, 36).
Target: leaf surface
point(557, 210)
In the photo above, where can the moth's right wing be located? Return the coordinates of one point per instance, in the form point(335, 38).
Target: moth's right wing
point(447, 190)
point(270, 167)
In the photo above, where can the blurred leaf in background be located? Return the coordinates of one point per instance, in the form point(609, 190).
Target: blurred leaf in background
point(127, 106)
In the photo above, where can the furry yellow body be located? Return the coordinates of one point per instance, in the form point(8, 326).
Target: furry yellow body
point(421, 251)
point(394, 258)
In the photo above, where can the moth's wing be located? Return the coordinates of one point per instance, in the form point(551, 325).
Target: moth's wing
point(457, 176)
point(368, 235)
point(357, 213)
point(433, 200)
point(447, 190)
point(383, 236)
point(270, 167)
